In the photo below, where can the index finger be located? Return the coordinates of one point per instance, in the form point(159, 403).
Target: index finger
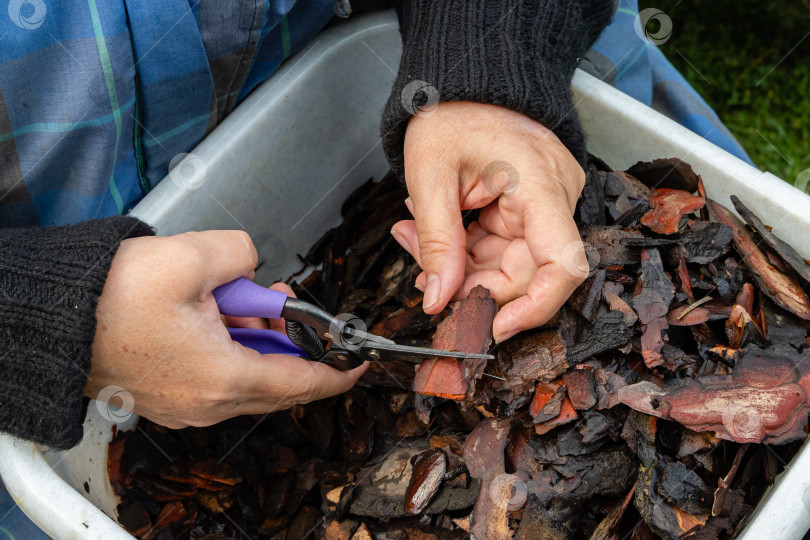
point(289, 380)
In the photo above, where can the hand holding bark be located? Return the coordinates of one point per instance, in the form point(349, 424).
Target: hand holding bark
point(525, 247)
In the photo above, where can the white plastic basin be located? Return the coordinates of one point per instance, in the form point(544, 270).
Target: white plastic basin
point(281, 165)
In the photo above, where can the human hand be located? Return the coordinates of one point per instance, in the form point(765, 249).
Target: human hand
point(160, 336)
point(525, 247)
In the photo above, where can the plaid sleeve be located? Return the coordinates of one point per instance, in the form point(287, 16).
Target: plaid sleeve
point(98, 98)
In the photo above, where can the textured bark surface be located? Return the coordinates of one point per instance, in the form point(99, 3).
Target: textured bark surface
point(765, 400)
point(468, 328)
point(780, 287)
point(667, 207)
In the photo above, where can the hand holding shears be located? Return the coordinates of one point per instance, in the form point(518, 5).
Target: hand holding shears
point(347, 343)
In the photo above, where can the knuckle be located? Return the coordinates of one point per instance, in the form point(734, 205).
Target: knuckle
point(433, 242)
point(190, 247)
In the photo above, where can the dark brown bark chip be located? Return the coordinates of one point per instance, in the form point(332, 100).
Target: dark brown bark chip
point(667, 173)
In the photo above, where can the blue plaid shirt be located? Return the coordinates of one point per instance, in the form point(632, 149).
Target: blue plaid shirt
point(97, 97)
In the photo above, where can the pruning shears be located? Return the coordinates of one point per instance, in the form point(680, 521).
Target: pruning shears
point(347, 343)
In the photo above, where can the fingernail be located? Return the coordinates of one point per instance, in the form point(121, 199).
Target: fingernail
point(401, 240)
point(432, 291)
point(409, 204)
point(500, 338)
point(419, 286)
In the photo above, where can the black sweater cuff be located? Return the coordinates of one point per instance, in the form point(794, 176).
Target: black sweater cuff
point(520, 54)
point(50, 281)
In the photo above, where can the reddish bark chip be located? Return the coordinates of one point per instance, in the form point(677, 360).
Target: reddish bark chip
point(484, 455)
point(581, 390)
point(468, 328)
point(780, 287)
point(667, 207)
point(426, 479)
point(543, 397)
point(653, 340)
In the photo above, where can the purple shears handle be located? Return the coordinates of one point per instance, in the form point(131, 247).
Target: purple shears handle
point(243, 298)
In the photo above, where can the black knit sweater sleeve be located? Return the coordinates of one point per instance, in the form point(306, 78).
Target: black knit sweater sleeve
point(50, 281)
point(520, 54)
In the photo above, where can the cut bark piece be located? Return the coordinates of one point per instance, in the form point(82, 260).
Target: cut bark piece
point(666, 173)
point(788, 254)
point(484, 455)
point(428, 473)
point(764, 400)
point(667, 207)
point(580, 386)
point(441, 377)
point(780, 287)
point(657, 291)
point(468, 328)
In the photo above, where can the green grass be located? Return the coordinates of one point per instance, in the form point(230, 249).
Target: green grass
point(743, 67)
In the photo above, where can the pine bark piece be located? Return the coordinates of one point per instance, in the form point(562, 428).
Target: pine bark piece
point(426, 479)
point(610, 331)
point(652, 342)
point(764, 400)
point(657, 290)
point(610, 244)
point(585, 299)
point(544, 403)
point(468, 328)
point(340, 530)
point(666, 173)
point(615, 302)
point(703, 242)
point(790, 255)
point(667, 207)
point(606, 528)
point(522, 362)
point(484, 455)
point(780, 287)
point(580, 386)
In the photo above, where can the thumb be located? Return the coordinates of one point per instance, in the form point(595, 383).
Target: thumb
point(440, 233)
